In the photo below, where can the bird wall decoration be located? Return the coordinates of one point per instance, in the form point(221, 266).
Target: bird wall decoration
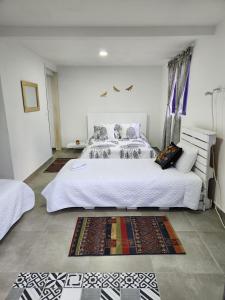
point(116, 89)
point(104, 94)
point(129, 88)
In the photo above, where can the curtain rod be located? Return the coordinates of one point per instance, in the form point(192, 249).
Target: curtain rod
point(187, 51)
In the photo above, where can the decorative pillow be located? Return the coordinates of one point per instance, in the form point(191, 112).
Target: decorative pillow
point(130, 131)
point(168, 157)
point(188, 158)
point(100, 132)
point(104, 132)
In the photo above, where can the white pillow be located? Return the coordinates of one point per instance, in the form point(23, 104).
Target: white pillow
point(188, 158)
point(111, 131)
point(130, 130)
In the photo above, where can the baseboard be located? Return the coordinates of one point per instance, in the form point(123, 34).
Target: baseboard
point(38, 170)
point(221, 212)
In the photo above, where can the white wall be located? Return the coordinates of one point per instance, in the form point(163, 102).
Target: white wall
point(80, 87)
point(28, 132)
point(207, 73)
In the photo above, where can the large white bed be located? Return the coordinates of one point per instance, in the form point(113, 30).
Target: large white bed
point(134, 183)
point(121, 183)
point(15, 199)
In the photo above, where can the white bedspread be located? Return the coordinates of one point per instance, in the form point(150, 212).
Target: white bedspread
point(121, 183)
point(15, 199)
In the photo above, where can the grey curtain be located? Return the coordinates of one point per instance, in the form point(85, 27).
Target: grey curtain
point(168, 118)
point(183, 63)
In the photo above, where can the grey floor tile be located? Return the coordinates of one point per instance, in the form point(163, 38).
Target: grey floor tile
point(6, 282)
point(34, 220)
point(179, 221)
point(209, 286)
point(152, 212)
point(174, 286)
point(64, 220)
point(190, 286)
point(121, 263)
point(91, 294)
point(74, 264)
point(215, 242)
point(14, 294)
point(205, 221)
point(130, 294)
point(15, 248)
point(196, 260)
point(50, 254)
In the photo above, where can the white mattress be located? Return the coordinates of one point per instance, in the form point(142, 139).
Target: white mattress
point(127, 148)
point(15, 199)
point(121, 183)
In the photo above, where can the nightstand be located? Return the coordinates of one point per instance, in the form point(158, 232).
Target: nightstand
point(81, 146)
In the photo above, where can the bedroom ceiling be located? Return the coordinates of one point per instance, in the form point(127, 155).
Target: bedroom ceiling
point(134, 32)
point(126, 52)
point(110, 12)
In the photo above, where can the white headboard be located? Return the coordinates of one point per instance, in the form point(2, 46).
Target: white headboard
point(104, 118)
point(202, 140)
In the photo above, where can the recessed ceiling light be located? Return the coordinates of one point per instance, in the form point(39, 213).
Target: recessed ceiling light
point(103, 53)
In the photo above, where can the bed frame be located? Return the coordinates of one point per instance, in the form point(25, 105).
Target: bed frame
point(104, 118)
point(202, 140)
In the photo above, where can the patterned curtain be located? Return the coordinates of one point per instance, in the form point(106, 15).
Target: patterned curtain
point(178, 83)
point(182, 78)
point(168, 118)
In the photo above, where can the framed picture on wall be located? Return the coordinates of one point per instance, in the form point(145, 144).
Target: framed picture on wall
point(30, 96)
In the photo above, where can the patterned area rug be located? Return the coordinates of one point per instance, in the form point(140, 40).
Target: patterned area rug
point(57, 165)
point(85, 286)
point(98, 236)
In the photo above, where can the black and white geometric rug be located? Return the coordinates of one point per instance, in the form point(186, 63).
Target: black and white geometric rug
point(85, 286)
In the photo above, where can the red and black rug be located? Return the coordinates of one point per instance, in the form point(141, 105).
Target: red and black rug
point(99, 236)
point(57, 165)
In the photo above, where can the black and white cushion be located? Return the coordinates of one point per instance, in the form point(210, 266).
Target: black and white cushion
point(130, 131)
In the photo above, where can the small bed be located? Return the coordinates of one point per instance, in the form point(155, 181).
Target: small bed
point(15, 199)
point(122, 148)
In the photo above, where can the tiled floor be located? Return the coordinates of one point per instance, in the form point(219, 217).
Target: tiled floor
point(81, 286)
point(40, 243)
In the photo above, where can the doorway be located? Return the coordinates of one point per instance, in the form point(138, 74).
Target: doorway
point(53, 109)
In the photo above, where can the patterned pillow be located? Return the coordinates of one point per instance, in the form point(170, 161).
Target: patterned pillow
point(106, 132)
point(130, 131)
point(169, 156)
point(100, 133)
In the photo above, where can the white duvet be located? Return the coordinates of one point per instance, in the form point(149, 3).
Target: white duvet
point(15, 199)
point(121, 183)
